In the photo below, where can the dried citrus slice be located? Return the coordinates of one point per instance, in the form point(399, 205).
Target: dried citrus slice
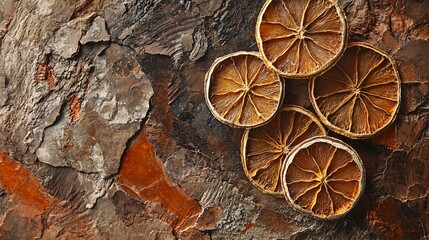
point(323, 177)
point(263, 149)
point(301, 38)
point(241, 91)
point(360, 95)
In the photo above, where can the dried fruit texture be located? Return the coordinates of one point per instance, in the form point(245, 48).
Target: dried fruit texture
point(301, 38)
point(323, 177)
point(360, 95)
point(264, 149)
point(241, 91)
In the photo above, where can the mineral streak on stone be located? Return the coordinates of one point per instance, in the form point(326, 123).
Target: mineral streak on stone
point(74, 108)
point(86, 7)
point(46, 74)
point(22, 201)
point(29, 211)
point(18, 181)
point(142, 176)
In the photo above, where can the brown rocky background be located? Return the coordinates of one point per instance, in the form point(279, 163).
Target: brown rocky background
point(105, 134)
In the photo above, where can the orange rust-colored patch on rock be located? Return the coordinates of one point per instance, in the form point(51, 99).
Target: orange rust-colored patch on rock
point(386, 138)
point(398, 6)
point(46, 74)
point(88, 7)
point(31, 212)
point(248, 227)
point(74, 107)
point(142, 176)
point(20, 183)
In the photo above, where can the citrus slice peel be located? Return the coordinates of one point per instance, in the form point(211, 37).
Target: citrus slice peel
point(301, 38)
point(241, 91)
point(323, 177)
point(360, 96)
point(264, 149)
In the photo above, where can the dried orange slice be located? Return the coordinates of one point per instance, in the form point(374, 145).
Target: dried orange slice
point(360, 95)
point(323, 177)
point(241, 91)
point(263, 149)
point(301, 38)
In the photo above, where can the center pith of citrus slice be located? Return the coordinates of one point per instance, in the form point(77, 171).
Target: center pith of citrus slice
point(360, 95)
point(301, 38)
point(323, 177)
point(241, 91)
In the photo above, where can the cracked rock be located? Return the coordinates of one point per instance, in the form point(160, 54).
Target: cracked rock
point(116, 102)
point(97, 32)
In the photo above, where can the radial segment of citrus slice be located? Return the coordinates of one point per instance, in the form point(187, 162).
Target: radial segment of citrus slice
point(241, 91)
point(264, 149)
point(301, 38)
point(323, 177)
point(360, 95)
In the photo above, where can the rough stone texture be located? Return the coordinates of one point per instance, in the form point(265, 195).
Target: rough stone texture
point(97, 32)
point(101, 119)
point(105, 133)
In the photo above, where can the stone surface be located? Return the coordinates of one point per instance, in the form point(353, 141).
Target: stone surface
point(97, 32)
point(105, 133)
point(114, 103)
